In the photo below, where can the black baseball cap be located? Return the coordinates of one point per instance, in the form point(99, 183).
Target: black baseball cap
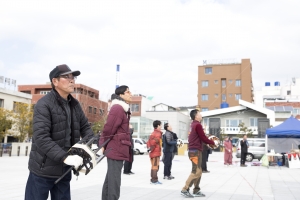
point(62, 70)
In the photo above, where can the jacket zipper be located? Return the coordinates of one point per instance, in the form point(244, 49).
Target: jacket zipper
point(43, 163)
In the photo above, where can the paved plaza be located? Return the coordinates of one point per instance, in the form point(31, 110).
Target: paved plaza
point(234, 182)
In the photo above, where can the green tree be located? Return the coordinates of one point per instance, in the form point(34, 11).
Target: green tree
point(23, 116)
point(99, 125)
point(245, 130)
point(5, 122)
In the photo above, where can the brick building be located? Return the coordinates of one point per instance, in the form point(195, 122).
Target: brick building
point(94, 109)
point(224, 81)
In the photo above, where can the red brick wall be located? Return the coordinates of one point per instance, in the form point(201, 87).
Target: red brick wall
point(84, 98)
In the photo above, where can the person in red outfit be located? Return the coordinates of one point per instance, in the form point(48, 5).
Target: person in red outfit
point(227, 151)
point(154, 143)
point(196, 137)
point(118, 148)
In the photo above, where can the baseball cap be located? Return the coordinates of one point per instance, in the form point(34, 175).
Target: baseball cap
point(62, 70)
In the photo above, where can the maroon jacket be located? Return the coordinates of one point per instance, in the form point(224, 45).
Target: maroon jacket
point(197, 136)
point(117, 128)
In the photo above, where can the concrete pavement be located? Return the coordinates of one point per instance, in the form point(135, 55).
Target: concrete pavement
point(234, 182)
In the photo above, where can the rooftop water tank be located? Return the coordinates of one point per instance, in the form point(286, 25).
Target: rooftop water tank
point(224, 105)
point(277, 83)
point(267, 84)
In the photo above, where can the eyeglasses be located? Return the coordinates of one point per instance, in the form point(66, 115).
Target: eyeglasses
point(68, 77)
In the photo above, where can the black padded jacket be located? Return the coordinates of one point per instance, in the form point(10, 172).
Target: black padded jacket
point(49, 129)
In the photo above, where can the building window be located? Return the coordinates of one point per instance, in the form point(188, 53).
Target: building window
point(135, 126)
point(223, 83)
point(1, 103)
point(90, 109)
point(205, 122)
point(216, 95)
point(230, 81)
point(238, 83)
point(208, 70)
point(204, 83)
point(204, 97)
point(44, 92)
point(233, 122)
point(288, 92)
point(230, 95)
point(101, 112)
point(216, 81)
point(223, 97)
point(204, 109)
point(295, 110)
point(134, 107)
point(238, 96)
point(253, 121)
point(95, 110)
point(163, 122)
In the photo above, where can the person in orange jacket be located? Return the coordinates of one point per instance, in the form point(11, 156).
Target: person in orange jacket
point(154, 145)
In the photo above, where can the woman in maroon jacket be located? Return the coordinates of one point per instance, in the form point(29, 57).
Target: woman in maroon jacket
point(117, 130)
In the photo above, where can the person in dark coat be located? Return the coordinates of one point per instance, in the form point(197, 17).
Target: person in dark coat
point(204, 158)
point(244, 150)
point(127, 164)
point(119, 147)
point(58, 124)
point(168, 150)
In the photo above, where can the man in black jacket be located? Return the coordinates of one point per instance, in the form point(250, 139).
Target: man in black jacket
point(244, 150)
point(58, 124)
point(169, 145)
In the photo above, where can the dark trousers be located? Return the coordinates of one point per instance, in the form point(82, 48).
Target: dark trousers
point(167, 163)
point(204, 160)
point(38, 188)
point(243, 157)
point(112, 183)
point(128, 165)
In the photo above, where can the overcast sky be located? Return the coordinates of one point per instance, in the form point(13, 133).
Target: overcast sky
point(158, 43)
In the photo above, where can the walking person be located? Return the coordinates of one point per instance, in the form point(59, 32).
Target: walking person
point(204, 158)
point(244, 150)
point(227, 151)
point(154, 144)
point(118, 148)
point(128, 164)
point(195, 149)
point(58, 124)
point(168, 150)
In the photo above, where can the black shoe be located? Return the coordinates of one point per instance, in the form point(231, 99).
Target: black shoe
point(205, 171)
point(167, 177)
point(186, 194)
point(131, 172)
point(126, 173)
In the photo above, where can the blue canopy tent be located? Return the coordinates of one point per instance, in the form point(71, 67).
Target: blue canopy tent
point(284, 137)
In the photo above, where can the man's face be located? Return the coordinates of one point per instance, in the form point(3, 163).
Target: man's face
point(64, 84)
point(245, 137)
point(169, 128)
point(198, 116)
point(126, 96)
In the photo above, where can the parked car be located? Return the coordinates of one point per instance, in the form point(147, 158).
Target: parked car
point(256, 148)
point(139, 146)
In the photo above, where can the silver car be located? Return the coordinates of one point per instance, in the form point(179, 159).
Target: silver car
point(256, 148)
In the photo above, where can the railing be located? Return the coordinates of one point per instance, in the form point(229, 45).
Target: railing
point(234, 130)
